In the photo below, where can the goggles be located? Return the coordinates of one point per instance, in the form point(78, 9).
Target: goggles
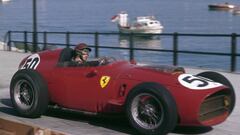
point(82, 52)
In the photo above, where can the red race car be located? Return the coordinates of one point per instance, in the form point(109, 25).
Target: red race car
point(154, 98)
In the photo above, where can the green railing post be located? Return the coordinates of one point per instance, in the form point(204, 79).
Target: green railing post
point(175, 49)
point(68, 39)
point(233, 51)
point(35, 33)
point(9, 41)
point(131, 47)
point(96, 44)
point(44, 40)
point(25, 42)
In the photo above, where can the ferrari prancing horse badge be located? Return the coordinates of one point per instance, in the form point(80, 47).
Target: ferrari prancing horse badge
point(104, 81)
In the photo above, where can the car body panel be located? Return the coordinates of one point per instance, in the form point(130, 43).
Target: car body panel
point(104, 89)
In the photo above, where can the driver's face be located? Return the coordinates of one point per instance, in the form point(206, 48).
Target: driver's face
point(78, 59)
point(85, 55)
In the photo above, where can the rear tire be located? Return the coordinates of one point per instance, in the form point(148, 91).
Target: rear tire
point(151, 109)
point(29, 93)
point(217, 77)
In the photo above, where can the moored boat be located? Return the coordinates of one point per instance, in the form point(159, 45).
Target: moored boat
point(223, 6)
point(236, 11)
point(142, 24)
point(4, 0)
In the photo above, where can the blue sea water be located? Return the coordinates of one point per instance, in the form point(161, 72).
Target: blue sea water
point(182, 16)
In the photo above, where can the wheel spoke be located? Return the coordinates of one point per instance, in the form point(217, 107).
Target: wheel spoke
point(154, 119)
point(23, 94)
point(27, 102)
point(149, 113)
point(154, 115)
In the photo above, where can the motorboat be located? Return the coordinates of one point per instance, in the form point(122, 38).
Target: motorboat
point(236, 11)
point(223, 6)
point(4, 0)
point(141, 24)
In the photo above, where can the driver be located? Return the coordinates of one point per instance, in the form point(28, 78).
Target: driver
point(80, 54)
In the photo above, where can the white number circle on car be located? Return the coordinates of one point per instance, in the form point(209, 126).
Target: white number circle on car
point(31, 62)
point(197, 83)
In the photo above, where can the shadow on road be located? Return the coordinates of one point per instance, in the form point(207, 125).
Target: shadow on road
point(191, 130)
point(116, 122)
point(7, 109)
point(6, 102)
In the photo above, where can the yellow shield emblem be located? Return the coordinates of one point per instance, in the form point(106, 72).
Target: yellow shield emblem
point(104, 81)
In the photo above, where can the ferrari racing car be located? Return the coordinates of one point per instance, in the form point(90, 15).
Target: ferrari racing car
point(154, 98)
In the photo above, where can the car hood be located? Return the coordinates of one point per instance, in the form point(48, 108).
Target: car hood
point(163, 68)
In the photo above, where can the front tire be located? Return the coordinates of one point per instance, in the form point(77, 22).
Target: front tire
point(29, 93)
point(223, 80)
point(151, 109)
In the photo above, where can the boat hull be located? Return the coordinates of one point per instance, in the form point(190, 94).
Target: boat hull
point(221, 6)
point(236, 12)
point(139, 30)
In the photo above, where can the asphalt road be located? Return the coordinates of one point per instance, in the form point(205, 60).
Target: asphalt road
point(79, 124)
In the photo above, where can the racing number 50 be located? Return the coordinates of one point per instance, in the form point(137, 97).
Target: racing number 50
point(197, 82)
point(32, 62)
point(201, 82)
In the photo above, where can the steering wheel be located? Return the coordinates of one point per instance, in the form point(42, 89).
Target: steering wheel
point(105, 60)
point(102, 61)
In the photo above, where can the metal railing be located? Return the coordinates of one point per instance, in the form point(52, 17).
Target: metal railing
point(175, 43)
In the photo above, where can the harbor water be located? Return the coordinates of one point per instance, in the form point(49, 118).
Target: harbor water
point(182, 16)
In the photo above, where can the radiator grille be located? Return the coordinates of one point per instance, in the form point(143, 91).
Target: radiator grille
point(215, 105)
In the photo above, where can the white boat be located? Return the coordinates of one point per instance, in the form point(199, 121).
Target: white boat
point(236, 11)
point(223, 6)
point(142, 24)
point(4, 0)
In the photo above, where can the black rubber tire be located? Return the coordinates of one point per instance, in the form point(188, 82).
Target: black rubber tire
point(38, 91)
point(217, 77)
point(170, 115)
